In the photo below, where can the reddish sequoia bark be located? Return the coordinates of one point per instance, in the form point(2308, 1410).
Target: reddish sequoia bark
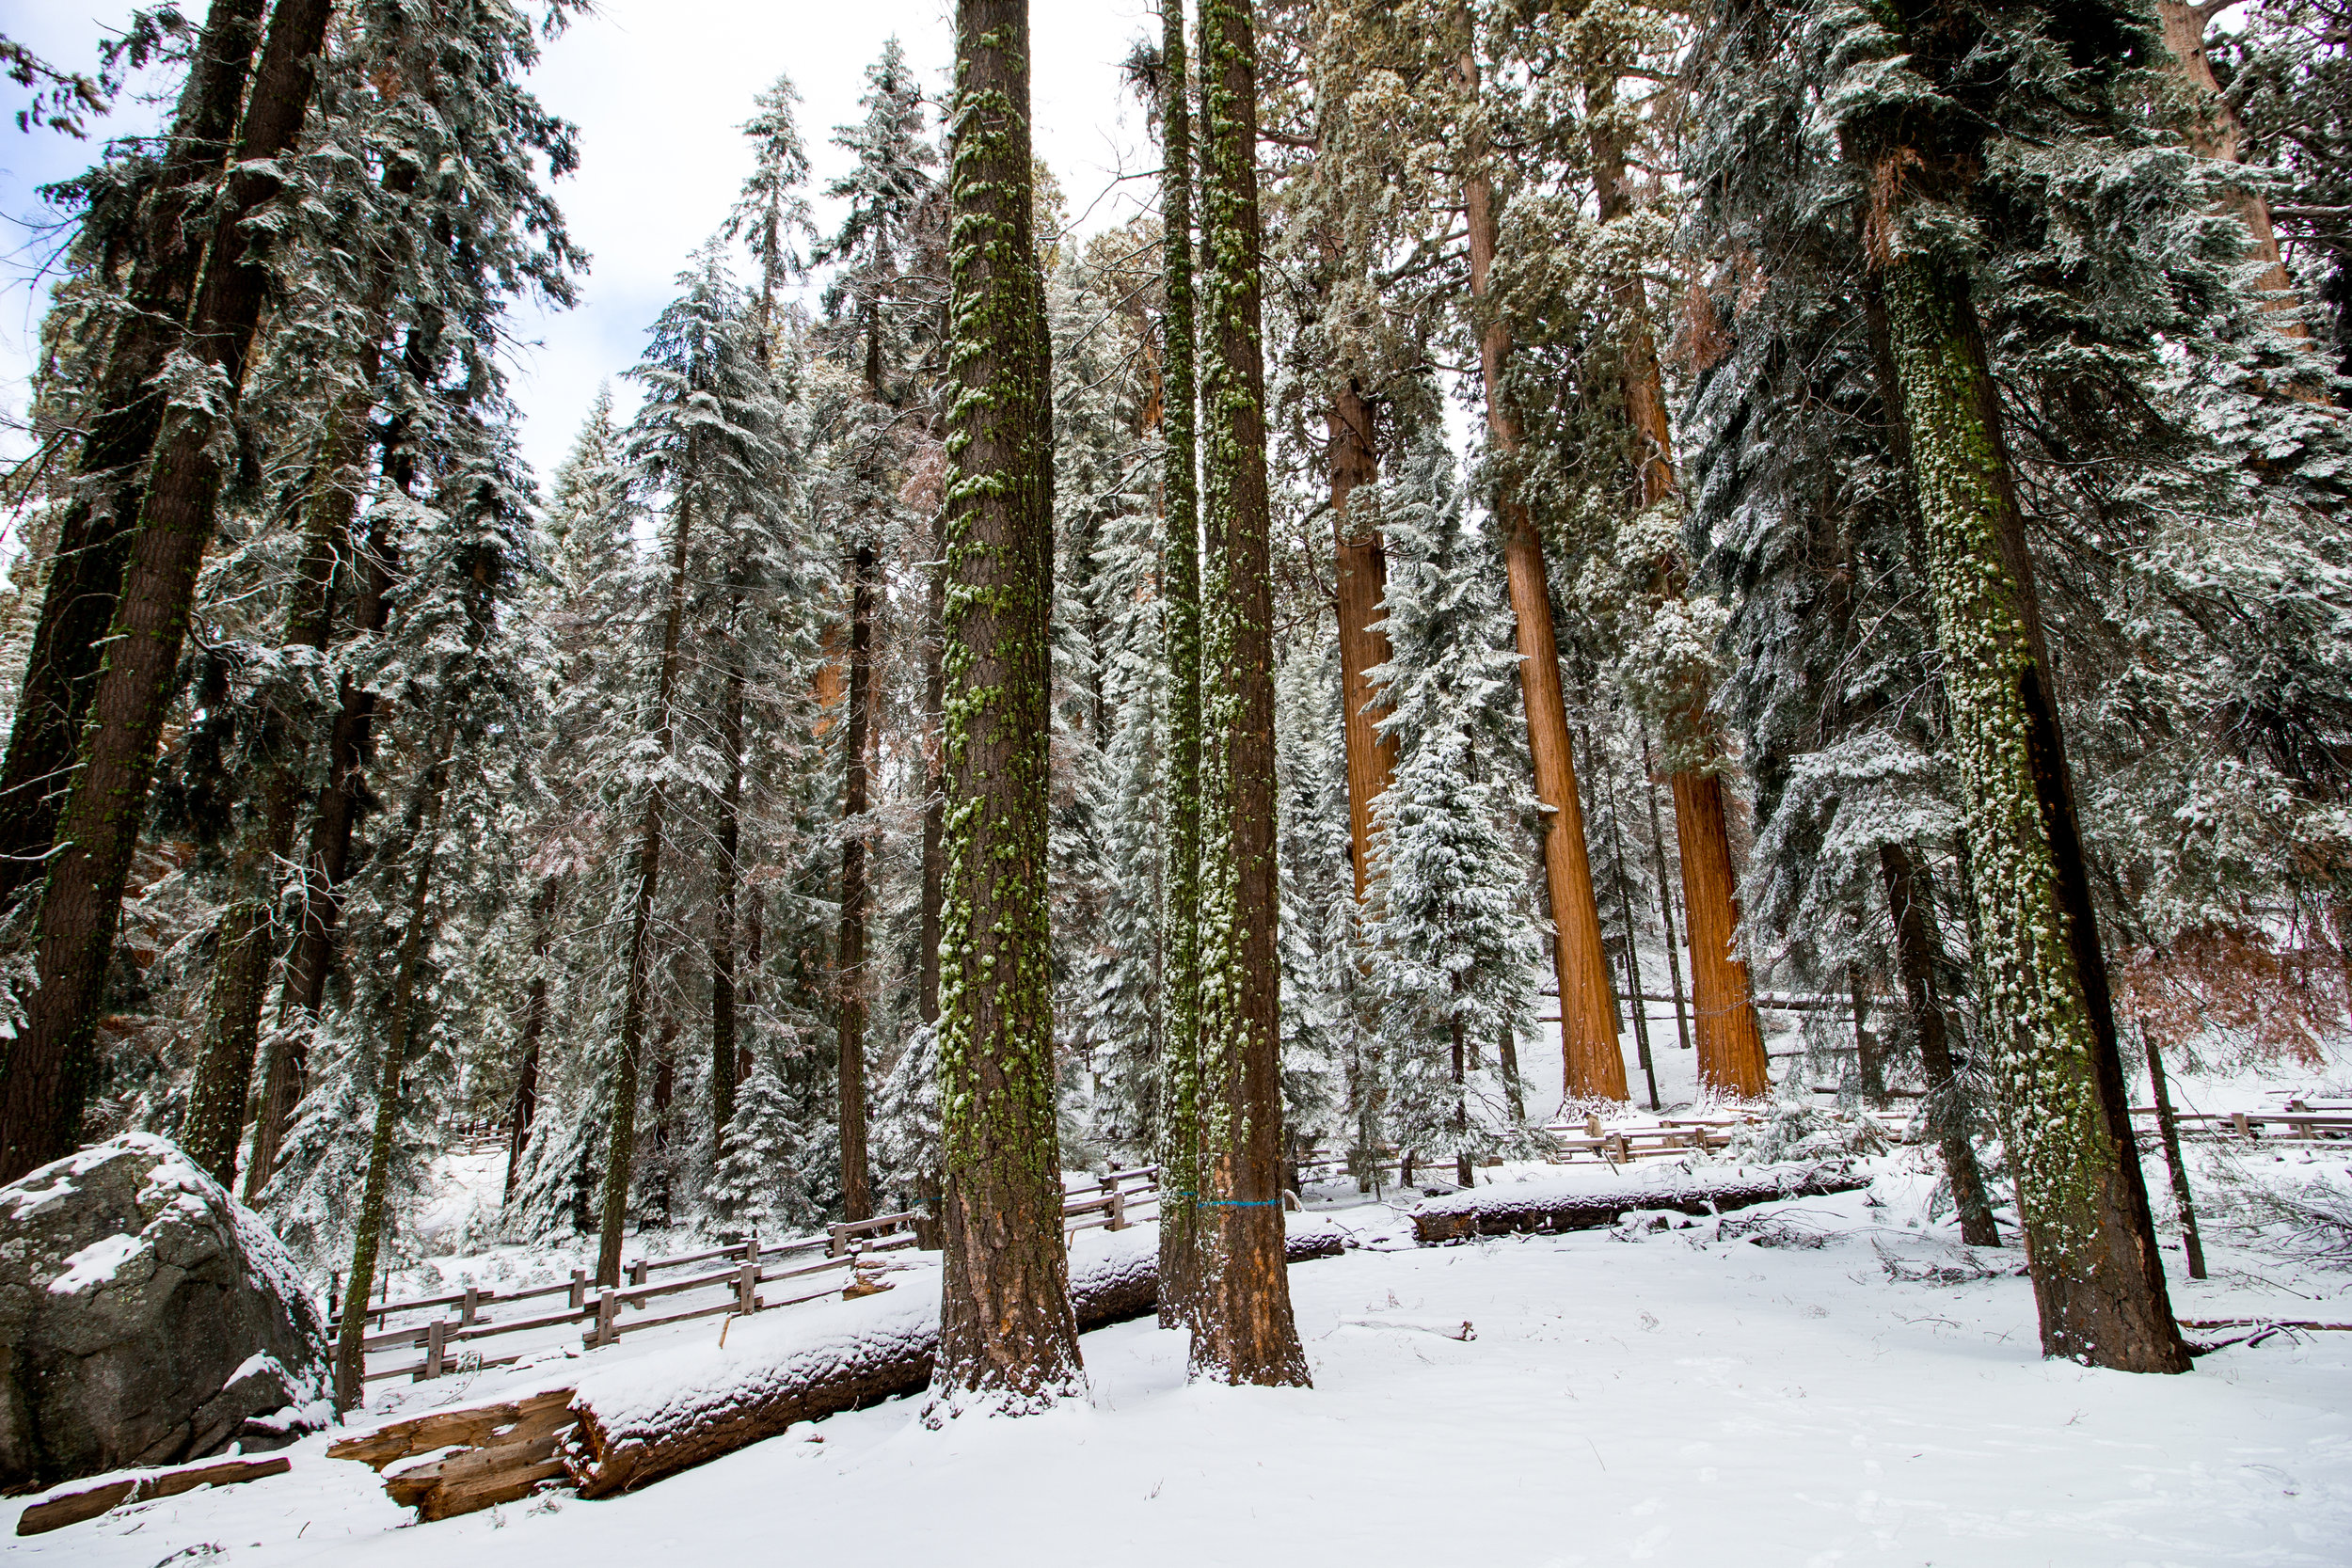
point(1594, 1066)
point(1361, 574)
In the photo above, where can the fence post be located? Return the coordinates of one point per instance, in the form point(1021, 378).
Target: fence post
point(607, 1304)
point(836, 1240)
point(474, 1299)
point(1116, 1215)
point(637, 1272)
point(2238, 1120)
point(580, 1290)
point(435, 1340)
point(746, 1280)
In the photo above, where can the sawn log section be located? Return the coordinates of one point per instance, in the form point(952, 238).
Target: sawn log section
point(1542, 1206)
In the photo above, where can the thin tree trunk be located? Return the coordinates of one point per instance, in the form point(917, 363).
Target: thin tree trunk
point(1507, 1057)
point(728, 871)
point(1592, 1062)
point(662, 1189)
point(534, 1030)
point(1665, 892)
point(1361, 575)
point(2169, 1130)
point(243, 940)
point(1180, 579)
point(126, 415)
point(636, 999)
point(1464, 1175)
point(857, 1195)
point(1007, 1335)
point(425, 822)
point(1947, 1111)
point(1634, 989)
point(1243, 1330)
point(2098, 1278)
point(52, 1066)
point(1730, 1043)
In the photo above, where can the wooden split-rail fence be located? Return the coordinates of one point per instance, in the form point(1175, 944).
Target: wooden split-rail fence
point(722, 1280)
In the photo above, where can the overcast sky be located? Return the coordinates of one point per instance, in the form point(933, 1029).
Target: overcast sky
point(659, 90)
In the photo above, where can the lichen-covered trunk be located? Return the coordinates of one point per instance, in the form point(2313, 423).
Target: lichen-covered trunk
point(857, 1193)
point(1592, 1063)
point(2049, 1025)
point(425, 824)
point(637, 995)
point(122, 418)
point(52, 1066)
point(1008, 1340)
point(1180, 580)
point(1948, 1111)
point(1243, 1328)
point(1361, 577)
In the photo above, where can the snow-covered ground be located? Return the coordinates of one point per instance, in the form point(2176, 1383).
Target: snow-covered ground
point(1690, 1396)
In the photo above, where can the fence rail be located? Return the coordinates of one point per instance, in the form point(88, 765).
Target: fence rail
point(855, 1249)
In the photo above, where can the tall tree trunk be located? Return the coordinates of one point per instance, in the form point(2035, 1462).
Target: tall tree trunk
point(1361, 575)
point(50, 1070)
point(2050, 1025)
point(727, 870)
point(1006, 1335)
point(1947, 1111)
point(621, 1152)
point(662, 1189)
point(934, 775)
point(1592, 1063)
point(245, 936)
point(534, 1030)
point(1730, 1040)
point(1665, 893)
point(1180, 580)
point(2218, 133)
point(1243, 1330)
point(1634, 989)
point(368, 1234)
point(124, 417)
point(857, 1195)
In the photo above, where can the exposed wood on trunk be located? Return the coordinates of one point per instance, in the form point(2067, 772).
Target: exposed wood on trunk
point(1244, 1331)
point(124, 417)
point(1007, 1336)
point(1360, 576)
point(52, 1066)
point(857, 1195)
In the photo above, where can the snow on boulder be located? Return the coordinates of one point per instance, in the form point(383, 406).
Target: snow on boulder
point(1593, 1197)
point(146, 1318)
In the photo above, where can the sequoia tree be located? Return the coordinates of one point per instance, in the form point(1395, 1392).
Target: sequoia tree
point(1008, 1340)
point(1244, 1331)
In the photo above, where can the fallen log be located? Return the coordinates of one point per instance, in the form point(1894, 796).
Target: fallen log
point(635, 1422)
point(1568, 1201)
point(71, 1508)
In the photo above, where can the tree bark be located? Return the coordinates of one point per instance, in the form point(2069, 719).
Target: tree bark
point(1244, 1331)
point(1947, 1113)
point(1008, 1340)
point(728, 872)
point(622, 1151)
point(2168, 1131)
point(934, 776)
point(857, 1194)
point(51, 1068)
point(425, 824)
point(1593, 1064)
point(1665, 893)
point(1362, 577)
point(2050, 1024)
point(1180, 580)
point(534, 1030)
point(111, 473)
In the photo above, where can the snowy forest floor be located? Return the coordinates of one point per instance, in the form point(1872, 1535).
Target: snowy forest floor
point(1759, 1391)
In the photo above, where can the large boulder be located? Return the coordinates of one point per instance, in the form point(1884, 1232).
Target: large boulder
point(146, 1318)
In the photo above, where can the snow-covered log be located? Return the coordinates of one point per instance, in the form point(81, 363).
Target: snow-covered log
point(639, 1420)
point(1587, 1198)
